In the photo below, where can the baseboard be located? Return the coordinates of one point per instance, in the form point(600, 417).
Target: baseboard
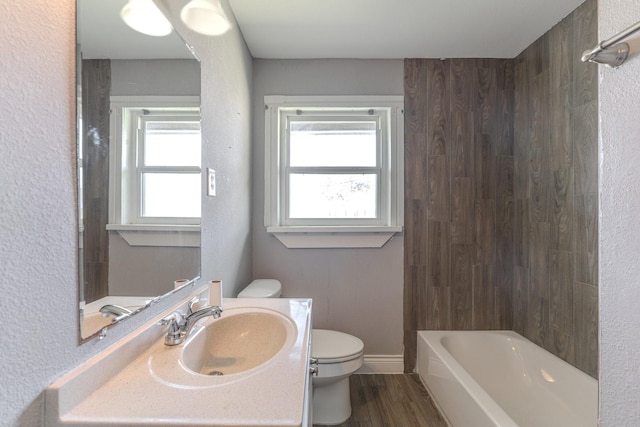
point(382, 364)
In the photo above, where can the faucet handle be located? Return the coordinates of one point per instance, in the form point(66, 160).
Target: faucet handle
point(176, 322)
point(196, 304)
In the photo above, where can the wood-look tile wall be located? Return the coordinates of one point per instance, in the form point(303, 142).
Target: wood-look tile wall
point(501, 194)
point(459, 200)
point(96, 88)
point(556, 192)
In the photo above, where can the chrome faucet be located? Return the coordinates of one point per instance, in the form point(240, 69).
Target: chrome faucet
point(180, 325)
point(117, 311)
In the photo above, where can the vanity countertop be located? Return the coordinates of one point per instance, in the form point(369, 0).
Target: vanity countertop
point(141, 382)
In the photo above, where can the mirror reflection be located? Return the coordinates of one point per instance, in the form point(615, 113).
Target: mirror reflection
point(139, 151)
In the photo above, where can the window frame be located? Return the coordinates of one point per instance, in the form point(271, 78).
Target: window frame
point(335, 233)
point(125, 187)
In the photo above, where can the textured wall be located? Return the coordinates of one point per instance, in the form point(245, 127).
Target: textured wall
point(358, 291)
point(619, 226)
point(556, 192)
point(458, 196)
point(38, 263)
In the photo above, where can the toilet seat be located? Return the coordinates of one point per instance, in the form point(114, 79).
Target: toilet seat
point(334, 346)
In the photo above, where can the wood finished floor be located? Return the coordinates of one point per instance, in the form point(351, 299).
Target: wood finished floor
point(398, 400)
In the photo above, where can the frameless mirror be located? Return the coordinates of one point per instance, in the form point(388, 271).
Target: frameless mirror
point(138, 165)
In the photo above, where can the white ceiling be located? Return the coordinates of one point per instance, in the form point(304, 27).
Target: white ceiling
point(102, 34)
point(344, 28)
point(395, 28)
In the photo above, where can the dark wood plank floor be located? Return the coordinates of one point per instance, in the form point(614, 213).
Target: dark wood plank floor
point(398, 400)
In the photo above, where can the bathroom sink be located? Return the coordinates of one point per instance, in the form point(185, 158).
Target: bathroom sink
point(260, 346)
point(236, 342)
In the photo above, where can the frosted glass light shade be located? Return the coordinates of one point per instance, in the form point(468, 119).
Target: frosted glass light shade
point(205, 17)
point(145, 17)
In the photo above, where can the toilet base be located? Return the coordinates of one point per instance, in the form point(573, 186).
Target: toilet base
point(331, 401)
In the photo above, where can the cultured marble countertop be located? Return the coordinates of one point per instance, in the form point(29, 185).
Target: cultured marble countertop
point(139, 382)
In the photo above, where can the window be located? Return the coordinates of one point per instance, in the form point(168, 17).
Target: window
point(333, 168)
point(155, 180)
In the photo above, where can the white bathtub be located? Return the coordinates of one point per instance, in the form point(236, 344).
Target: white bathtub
point(501, 379)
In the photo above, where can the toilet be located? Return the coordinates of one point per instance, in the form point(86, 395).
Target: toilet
point(339, 355)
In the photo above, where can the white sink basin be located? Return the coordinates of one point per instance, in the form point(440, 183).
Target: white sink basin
point(261, 347)
point(235, 343)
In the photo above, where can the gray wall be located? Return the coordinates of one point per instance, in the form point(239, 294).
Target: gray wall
point(38, 223)
point(180, 77)
point(358, 291)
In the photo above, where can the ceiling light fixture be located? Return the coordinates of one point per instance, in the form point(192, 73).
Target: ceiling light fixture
point(205, 17)
point(145, 17)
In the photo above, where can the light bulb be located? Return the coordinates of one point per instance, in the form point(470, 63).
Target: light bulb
point(145, 17)
point(205, 17)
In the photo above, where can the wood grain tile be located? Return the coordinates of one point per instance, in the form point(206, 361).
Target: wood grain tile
point(505, 221)
point(461, 287)
point(561, 292)
point(520, 300)
point(462, 211)
point(522, 150)
point(462, 148)
point(585, 36)
point(415, 240)
point(483, 316)
point(484, 166)
point(562, 53)
point(587, 239)
point(539, 259)
point(563, 210)
point(438, 253)
point(415, 96)
point(585, 131)
point(416, 166)
point(96, 83)
point(438, 303)
point(586, 327)
point(438, 116)
point(504, 120)
point(439, 200)
point(485, 244)
point(522, 233)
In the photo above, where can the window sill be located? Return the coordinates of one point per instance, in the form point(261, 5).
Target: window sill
point(158, 234)
point(333, 237)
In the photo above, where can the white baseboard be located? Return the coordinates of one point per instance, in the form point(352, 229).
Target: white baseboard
point(382, 364)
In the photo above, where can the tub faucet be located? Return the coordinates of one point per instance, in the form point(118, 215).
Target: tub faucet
point(180, 325)
point(117, 311)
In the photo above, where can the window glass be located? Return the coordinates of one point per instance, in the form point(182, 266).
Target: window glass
point(171, 195)
point(173, 143)
point(333, 143)
point(345, 196)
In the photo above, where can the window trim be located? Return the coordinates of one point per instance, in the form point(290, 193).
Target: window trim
point(121, 220)
point(331, 235)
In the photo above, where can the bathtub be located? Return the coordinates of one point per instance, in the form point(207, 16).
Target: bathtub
point(501, 379)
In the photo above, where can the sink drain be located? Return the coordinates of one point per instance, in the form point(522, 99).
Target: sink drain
point(215, 373)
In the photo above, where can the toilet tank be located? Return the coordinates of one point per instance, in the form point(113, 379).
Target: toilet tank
point(262, 288)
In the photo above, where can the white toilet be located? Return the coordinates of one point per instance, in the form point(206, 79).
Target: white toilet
point(339, 355)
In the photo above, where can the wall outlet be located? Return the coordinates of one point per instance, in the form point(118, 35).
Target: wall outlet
point(211, 182)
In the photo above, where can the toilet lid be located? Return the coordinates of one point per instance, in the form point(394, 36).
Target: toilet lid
point(333, 346)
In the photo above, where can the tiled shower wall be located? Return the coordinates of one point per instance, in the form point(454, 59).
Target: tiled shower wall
point(501, 194)
point(556, 192)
